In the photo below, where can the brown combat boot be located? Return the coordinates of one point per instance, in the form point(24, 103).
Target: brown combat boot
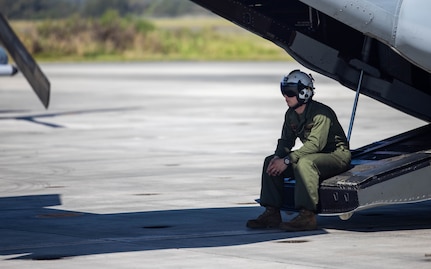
point(271, 218)
point(305, 221)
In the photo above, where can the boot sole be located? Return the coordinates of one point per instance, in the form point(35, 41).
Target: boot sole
point(277, 226)
point(298, 229)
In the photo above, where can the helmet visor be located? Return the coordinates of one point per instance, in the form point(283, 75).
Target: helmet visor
point(289, 89)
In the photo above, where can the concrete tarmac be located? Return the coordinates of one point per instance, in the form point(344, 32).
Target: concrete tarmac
point(157, 165)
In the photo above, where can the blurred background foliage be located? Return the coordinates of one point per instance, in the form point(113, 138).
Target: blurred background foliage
point(55, 9)
point(132, 30)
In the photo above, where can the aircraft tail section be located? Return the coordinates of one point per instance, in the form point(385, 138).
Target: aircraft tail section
point(25, 62)
point(354, 44)
point(341, 46)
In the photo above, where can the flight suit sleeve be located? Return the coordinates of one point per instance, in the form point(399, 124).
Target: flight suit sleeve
point(287, 140)
point(316, 140)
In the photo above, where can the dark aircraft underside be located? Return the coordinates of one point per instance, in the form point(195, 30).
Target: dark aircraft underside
point(333, 49)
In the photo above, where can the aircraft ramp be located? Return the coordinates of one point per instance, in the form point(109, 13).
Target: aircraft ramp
point(395, 170)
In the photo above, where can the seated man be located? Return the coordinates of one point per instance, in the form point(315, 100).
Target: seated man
point(324, 153)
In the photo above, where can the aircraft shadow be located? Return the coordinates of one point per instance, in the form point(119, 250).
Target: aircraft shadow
point(36, 118)
point(29, 229)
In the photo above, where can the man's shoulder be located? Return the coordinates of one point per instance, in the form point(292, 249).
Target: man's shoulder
point(316, 105)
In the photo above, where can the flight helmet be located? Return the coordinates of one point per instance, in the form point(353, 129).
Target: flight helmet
point(298, 84)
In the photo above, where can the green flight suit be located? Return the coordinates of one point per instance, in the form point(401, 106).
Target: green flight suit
point(324, 153)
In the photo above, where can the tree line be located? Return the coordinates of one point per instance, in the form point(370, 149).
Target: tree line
point(54, 9)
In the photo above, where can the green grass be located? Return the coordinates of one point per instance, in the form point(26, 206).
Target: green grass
point(112, 38)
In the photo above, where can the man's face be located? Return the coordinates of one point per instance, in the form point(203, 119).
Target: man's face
point(290, 93)
point(291, 101)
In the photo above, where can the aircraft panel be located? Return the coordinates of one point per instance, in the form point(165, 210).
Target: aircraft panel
point(25, 62)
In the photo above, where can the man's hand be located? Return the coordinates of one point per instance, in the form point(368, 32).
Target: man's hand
point(276, 166)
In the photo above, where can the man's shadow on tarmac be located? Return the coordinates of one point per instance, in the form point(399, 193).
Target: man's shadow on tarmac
point(31, 230)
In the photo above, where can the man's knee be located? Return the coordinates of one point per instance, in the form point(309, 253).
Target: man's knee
point(305, 164)
point(306, 170)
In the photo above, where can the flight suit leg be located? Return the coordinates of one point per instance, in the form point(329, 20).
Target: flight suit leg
point(311, 170)
point(272, 187)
